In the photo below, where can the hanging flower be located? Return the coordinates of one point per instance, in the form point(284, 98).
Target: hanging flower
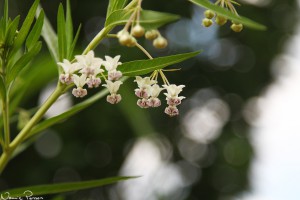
point(79, 81)
point(113, 88)
point(68, 68)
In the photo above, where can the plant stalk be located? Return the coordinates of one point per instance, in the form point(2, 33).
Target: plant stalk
point(26, 130)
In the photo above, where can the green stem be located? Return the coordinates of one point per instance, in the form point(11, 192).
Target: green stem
point(97, 39)
point(26, 130)
point(5, 109)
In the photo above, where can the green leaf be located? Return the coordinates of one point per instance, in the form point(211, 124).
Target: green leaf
point(61, 33)
point(2, 89)
point(35, 33)
point(115, 5)
point(23, 61)
point(25, 27)
point(69, 25)
point(50, 38)
point(226, 13)
point(149, 19)
point(63, 187)
point(141, 67)
point(11, 31)
point(5, 15)
point(73, 45)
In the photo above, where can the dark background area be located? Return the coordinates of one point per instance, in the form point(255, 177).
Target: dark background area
point(95, 143)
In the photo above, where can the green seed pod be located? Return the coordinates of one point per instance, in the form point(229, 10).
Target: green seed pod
point(160, 43)
point(209, 14)
point(138, 31)
point(237, 27)
point(220, 20)
point(152, 34)
point(207, 22)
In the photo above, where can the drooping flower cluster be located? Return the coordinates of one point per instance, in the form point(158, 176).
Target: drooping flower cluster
point(87, 71)
point(148, 91)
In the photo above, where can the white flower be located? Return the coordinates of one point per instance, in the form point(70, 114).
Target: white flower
point(111, 63)
point(154, 102)
point(155, 90)
point(172, 111)
point(79, 92)
point(89, 60)
point(143, 103)
point(68, 67)
point(114, 75)
point(91, 71)
point(173, 90)
point(145, 82)
point(113, 98)
point(93, 82)
point(113, 87)
point(79, 81)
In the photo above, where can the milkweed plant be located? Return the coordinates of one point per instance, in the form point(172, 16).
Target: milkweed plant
point(20, 43)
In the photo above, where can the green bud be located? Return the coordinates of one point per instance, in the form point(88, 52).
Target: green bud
point(209, 14)
point(220, 20)
point(160, 43)
point(237, 27)
point(207, 22)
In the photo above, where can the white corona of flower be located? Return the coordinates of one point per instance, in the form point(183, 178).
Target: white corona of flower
point(79, 81)
point(113, 87)
point(144, 83)
point(155, 90)
point(68, 67)
point(111, 63)
point(89, 60)
point(173, 90)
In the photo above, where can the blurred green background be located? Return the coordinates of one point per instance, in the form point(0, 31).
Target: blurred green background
point(205, 153)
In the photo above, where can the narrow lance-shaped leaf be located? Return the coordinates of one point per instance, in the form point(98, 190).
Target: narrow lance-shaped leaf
point(35, 33)
point(141, 67)
point(115, 5)
point(226, 13)
point(62, 187)
point(11, 32)
point(149, 19)
point(61, 33)
point(25, 27)
point(50, 37)
point(23, 61)
point(5, 15)
point(69, 25)
point(73, 45)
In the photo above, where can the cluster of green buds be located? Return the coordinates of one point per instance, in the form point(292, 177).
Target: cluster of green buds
point(129, 37)
point(221, 20)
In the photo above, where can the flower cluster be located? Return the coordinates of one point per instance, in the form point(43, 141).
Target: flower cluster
point(221, 20)
point(87, 71)
point(148, 91)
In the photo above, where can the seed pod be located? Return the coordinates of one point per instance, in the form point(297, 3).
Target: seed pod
point(152, 34)
point(209, 14)
point(237, 27)
point(207, 22)
point(160, 43)
point(220, 20)
point(138, 31)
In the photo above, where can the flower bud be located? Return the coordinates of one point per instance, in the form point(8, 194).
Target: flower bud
point(138, 31)
point(220, 20)
point(209, 14)
point(160, 43)
point(124, 38)
point(236, 27)
point(151, 35)
point(131, 42)
point(207, 22)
